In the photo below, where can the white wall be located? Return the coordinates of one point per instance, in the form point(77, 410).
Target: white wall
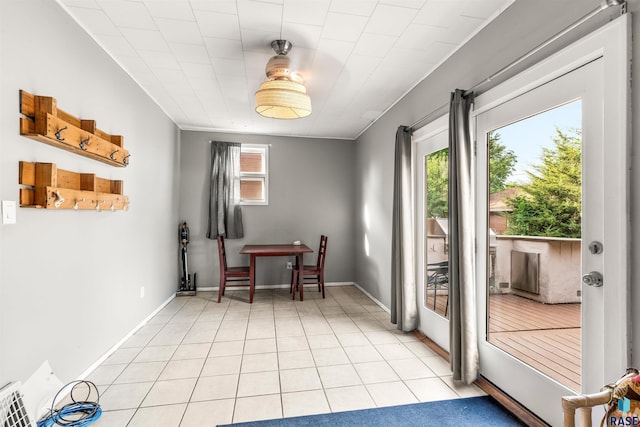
point(70, 281)
point(311, 192)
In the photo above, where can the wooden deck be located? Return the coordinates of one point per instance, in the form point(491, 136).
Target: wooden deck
point(545, 336)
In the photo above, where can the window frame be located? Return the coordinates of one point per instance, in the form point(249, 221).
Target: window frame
point(254, 176)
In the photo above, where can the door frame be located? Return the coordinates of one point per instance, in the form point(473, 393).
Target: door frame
point(431, 324)
point(610, 44)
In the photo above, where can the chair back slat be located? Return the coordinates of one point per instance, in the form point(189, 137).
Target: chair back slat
point(222, 253)
point(322, 252)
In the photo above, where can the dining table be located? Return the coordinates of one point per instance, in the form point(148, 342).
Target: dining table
point(256, 250)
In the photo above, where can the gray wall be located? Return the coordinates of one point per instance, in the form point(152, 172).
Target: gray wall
point(520, 28)
point(70, 281)
point(82, 271)
point(311, 192)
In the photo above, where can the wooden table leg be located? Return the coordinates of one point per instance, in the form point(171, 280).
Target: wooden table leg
point(300, 283)
point(252, 277)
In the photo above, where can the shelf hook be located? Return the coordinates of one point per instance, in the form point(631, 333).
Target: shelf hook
point(98, 203)
point(125, 160)
point(75, 205)
point(59, 132)
point(59, 199)
point(84, 142)
point(112, 155)
point(113, 206)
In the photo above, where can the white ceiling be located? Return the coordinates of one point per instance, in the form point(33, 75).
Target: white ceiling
point(203, 60)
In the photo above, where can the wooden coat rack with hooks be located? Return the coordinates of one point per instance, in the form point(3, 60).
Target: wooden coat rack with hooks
point(52, 188)
point(45, 122)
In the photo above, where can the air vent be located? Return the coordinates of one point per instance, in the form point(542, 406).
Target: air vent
point(12, 410)
point(524, 271)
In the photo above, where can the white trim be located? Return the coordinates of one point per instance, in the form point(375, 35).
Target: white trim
point(261, 132)
point(281, 286)
point(374, 299)
point(263, 177)
point(431, 129)
point(109, 352)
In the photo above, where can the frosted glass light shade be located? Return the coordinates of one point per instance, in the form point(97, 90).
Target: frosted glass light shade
point(283, 99)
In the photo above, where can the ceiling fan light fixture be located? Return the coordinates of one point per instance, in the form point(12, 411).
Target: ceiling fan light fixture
point(283, 95)
point(283, 99)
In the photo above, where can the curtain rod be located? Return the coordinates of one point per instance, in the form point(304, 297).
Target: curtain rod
point(603, 6)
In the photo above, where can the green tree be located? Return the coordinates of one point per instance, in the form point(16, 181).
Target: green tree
point(550, 204)
point(502, 162)
point(437, 184)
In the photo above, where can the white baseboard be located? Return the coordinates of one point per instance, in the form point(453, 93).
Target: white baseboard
point(382, 306)
point(286, 286)
point(104, 357)
point(282, 286)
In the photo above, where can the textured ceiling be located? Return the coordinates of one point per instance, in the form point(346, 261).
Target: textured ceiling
point(203, 60)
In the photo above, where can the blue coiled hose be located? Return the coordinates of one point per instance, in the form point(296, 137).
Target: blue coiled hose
point(77, 413)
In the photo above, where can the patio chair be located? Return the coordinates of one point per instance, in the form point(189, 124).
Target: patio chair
point(626, 387)
point(438, 278)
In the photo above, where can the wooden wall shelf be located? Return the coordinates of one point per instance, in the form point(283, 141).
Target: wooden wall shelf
point(53, 188)
point(45, 122)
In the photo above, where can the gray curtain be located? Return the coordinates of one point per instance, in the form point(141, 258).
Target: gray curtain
point(225, 214)
point(463, 327)
point(404, 307)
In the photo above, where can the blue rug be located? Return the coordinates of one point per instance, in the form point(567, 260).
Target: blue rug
point(473, 411)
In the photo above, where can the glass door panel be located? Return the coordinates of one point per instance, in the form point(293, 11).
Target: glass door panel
point(534, 234)
point(436, 188)
point(431, 210)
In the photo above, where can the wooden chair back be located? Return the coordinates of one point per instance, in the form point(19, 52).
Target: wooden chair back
point(222, 253)
point(322, 252)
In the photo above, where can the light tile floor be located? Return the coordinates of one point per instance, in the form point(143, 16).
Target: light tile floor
point(198, 363)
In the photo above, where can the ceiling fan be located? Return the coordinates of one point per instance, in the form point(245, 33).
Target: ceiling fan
point(283, 95)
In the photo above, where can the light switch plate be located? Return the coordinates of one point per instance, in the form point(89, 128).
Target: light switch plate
point(8, 212)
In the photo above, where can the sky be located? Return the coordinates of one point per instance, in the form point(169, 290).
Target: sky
point(527, 137)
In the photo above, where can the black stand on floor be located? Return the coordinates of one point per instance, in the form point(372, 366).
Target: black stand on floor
point(186, 287)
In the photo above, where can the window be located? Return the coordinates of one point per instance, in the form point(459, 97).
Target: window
point(254, 174)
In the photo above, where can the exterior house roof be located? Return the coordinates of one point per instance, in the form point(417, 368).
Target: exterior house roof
point(498, 201)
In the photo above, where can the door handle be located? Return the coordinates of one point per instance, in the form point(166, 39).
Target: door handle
point(593, 278)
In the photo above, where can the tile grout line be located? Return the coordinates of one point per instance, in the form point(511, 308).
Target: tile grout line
point(331, 314)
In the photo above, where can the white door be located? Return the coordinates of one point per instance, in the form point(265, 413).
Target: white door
point(430, 148)
point(525, 263)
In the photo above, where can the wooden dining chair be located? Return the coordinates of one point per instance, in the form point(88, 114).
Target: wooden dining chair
point(311, 274)
point(231, 274)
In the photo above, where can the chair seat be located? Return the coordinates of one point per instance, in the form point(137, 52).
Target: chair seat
point(310, 273)
point(237, 271)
